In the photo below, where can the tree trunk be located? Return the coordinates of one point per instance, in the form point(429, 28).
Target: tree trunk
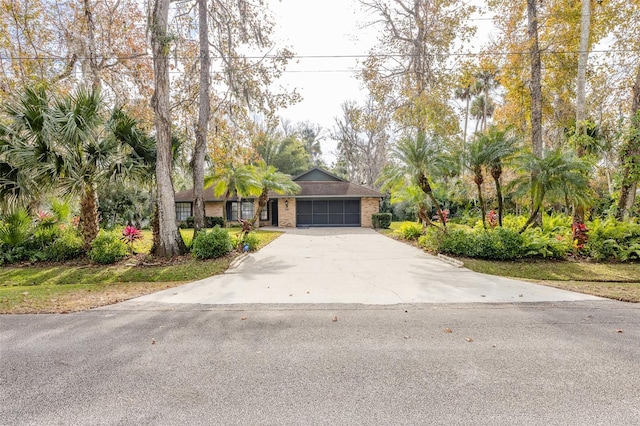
point(89, 218)
point(424, 184)
point(496, 173)
point(535, 89)
point(202, 127)
point(630, 159)
point(262, 202)
point(171, 243)
point(478, 181)
point(585, 21)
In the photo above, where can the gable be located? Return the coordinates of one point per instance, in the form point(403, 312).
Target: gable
point(317, 175)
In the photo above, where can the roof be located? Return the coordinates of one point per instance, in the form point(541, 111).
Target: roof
point(314, 183)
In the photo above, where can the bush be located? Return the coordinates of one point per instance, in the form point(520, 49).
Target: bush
point(66, 247)
point(458, 242)
point(253, 240)
point(409, 230)
point(213, 221)
point(212, 244)
point(381, 220)
point(108, 248)
point(537, 243)
point(613, 240)
point(496, 244)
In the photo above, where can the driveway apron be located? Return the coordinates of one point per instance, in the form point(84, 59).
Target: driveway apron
point(352, 265)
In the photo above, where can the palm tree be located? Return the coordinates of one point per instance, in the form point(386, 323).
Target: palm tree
point(477, 158)
point(413, 194)
point(464, 94)
point(499, 144)
point(271, 180)
point(71, 144)
point(557, 171)
point(241, 181)
point(416, 159)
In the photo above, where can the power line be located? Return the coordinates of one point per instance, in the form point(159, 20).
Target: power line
point(348, 56)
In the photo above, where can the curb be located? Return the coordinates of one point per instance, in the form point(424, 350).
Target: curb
point(455, 262)
point(236, 262)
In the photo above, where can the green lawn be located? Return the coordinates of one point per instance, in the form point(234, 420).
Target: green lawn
point(619, 281)
point(72, 287)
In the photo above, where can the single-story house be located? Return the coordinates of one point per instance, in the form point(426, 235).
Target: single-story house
point(324, 200)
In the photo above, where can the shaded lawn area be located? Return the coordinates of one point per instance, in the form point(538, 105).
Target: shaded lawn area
point(49, 288)
point(619, 281)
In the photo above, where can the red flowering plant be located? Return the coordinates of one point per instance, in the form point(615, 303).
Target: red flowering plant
point(131, 234)
point(492, 218)
point(580, 235)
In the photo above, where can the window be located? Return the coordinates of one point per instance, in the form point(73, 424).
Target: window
point(247, 210)
point(264, 214)
point(183, 211)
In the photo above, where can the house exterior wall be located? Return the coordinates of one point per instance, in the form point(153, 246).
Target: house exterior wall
point(213, 209)
point(286, 214)
point(368, 206)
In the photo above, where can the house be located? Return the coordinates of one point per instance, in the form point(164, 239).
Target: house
point(324, 200)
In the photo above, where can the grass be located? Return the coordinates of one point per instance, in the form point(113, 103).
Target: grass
point(49, 288)
point(619, 281)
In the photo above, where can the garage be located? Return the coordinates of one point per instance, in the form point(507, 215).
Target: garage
point(322, 212)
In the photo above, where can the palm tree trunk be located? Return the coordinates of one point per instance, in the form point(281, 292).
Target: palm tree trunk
point(500, 201)
point(423, 182)
point(262, 202)
point(482, 207)
point(532, 218)
point(89, 220)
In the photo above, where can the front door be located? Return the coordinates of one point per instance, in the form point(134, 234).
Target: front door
point(274, 212)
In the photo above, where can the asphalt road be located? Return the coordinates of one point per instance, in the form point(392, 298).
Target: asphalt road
point(550, 363)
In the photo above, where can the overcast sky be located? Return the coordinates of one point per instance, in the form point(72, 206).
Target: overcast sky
point(323, 28)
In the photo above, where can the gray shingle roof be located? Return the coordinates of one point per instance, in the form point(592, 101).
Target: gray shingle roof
point(309, 189)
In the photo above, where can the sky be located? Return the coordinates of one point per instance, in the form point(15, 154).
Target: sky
point(336, 31)
point(321, 28)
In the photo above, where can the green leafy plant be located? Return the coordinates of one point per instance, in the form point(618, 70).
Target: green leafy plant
point(613, 240)
point(212, 244)
point(251, 239)
point(409, 230)
point(68, 246)
point(15, 228)
point(107, 248)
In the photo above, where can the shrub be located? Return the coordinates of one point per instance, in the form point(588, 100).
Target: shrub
point(66, 247)
point(15, 228)
point(409, 230)
point(498, 244)
point(107, 248)
point(212, 244)
point(381, 220)
point(537, 243)
point(613, 240)
point(213, 221)
point(253, 240)
point(458, 242)
point(431, 240)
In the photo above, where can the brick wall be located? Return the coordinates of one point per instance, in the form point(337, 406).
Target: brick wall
point(286, 214)
point(213, 209)
point(368, 206)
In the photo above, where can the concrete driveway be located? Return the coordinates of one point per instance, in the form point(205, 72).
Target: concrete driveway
point(352, 265)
